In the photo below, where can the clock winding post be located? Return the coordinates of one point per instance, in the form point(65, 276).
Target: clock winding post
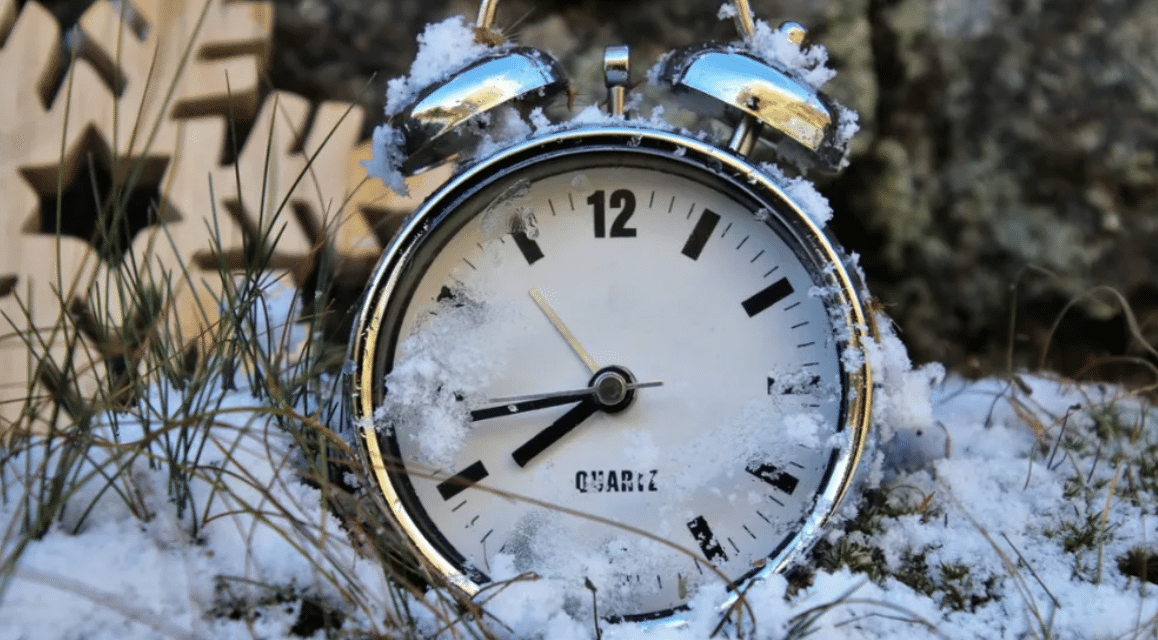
point(617, 75)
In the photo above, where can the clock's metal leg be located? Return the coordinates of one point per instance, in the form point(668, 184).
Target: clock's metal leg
point(486, 14)
point(745, 26)
point(745, 135)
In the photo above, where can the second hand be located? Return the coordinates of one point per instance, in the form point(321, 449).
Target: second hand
point(557, 322)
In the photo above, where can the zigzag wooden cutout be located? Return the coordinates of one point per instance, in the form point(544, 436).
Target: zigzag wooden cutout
point(144, 106)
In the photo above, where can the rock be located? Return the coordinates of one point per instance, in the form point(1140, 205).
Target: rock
point(1015, 147)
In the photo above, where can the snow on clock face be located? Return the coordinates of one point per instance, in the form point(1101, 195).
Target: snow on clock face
point(619, 360)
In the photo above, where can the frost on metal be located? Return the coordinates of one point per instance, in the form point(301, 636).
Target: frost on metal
point(443, 48)
point(807, 62)
point(803, 193)
point(388, 157)
point(810, 62)
point(447, 46)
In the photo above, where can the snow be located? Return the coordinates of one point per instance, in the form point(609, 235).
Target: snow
point(803, 193)
point(995, 508)
point(442, 48)
point(810, 62)
point(450, 348)
point(990, 491)
point(388, 156)
point(124, 562)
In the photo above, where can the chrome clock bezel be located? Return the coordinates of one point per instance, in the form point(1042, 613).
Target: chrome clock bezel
point(846, 306)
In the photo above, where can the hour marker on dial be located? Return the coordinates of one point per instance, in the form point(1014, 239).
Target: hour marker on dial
point(700, 234)
point(462, 480)
point(790, 389)
point(768, 296)
point(706, 539)
point(781, 480)
point(528, 247)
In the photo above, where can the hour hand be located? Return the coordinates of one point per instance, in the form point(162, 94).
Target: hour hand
point(552, 434)
point(612, 390)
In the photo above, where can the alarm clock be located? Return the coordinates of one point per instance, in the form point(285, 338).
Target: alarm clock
point(610, 353)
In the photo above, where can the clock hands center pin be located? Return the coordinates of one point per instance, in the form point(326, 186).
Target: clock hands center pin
point(612, 390)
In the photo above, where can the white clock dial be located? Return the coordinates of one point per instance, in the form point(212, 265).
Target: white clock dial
point(716, 412)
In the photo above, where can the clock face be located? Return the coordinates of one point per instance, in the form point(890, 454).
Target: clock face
point(612, 368)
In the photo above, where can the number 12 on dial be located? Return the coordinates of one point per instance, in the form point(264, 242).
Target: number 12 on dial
point(621, 199)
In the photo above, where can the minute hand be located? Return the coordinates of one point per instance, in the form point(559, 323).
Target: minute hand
point(519, 404)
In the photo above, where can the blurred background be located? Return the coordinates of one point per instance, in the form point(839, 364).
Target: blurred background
point(1004, 180)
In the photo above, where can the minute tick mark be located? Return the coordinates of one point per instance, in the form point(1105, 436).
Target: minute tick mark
point(552, 205)
point(690, 210)
point(651, 201)
point(742, 242)
point(757, 257)
point(671, 204)
point(468, 263)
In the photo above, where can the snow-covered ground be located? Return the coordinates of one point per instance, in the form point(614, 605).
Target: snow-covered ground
point(1008, 515)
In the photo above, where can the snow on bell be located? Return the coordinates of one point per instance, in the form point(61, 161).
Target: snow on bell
point(757, 96)
point(435, 124)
